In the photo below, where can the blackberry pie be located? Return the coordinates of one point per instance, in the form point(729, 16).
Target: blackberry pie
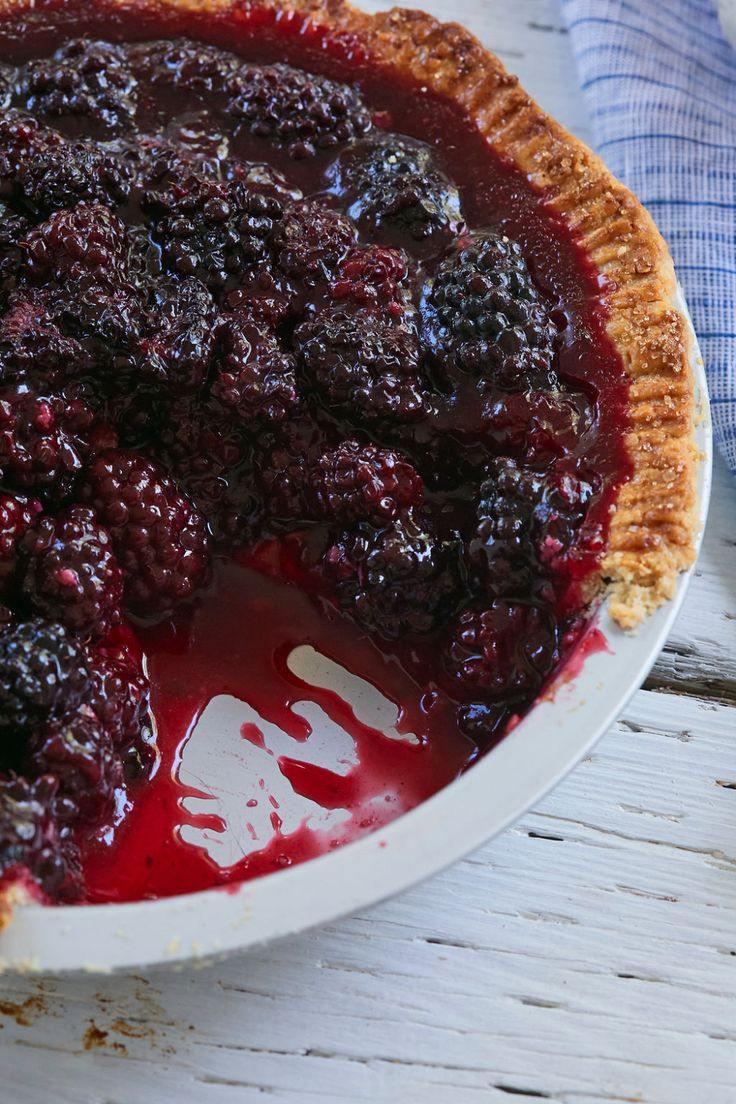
point(315, 331)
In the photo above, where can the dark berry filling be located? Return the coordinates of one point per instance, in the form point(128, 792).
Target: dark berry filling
point(298, 325)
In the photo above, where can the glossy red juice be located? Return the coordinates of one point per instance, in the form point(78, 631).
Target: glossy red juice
point(235, 639)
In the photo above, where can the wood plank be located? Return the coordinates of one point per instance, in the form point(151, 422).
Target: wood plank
point(588, 954)
point(700, 655)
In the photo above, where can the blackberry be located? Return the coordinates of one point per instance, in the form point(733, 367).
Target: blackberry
point(283, 479)
point(42, 674)
point(213, 229)
point(14, 228)
point(263, 295)
point(84, 83)
point(79, 753)
point(363, 364)
point(29, 838)
point(21, 138)
point(371, 277)
point(155, 163)
point(300, 112)
point(397, 194)
point(59, 175)
point(562, 532)
point(180, 335)
point(119, 696)
point(483, 723)
point(529, 523)
point(135, 415)
point(229, 500)
point(33, 347)
point(399, 581)
point(211, 458)
point(88, 240)
point(195, 68)
point(42, 172)
point(311, 240)
point(72, 575)
point(535, 426)
point(105, 321)
point(356, 482)
point(260, 177)
point(44, 439)
point(502, 549)
point(17, 515)
point(256, 378)
point(504, 652)
point(160, 539)
point(484, 315)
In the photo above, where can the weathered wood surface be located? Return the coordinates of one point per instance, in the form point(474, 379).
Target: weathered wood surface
point(586, 956)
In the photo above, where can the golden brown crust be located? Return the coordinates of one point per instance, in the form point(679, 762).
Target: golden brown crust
point(653, 527)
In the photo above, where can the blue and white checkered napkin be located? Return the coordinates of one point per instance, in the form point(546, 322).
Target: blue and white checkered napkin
point(660, 82)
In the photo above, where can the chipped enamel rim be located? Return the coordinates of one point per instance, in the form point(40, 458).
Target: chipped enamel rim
point(499, 789)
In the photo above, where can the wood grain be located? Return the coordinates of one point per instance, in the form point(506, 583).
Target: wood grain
point(586, 956)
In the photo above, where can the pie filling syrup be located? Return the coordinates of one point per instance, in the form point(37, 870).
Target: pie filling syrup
point(285, 359)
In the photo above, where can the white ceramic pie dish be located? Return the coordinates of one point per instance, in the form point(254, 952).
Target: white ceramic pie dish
point(540, 751)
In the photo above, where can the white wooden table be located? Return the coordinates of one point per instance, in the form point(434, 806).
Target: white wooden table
point(587, 955)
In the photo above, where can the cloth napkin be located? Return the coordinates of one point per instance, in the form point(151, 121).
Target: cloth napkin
point(660, 83)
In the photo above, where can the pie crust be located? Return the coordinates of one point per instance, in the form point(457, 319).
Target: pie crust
point(653, 527)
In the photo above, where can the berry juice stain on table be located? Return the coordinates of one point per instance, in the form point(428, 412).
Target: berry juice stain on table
point(287, 359)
